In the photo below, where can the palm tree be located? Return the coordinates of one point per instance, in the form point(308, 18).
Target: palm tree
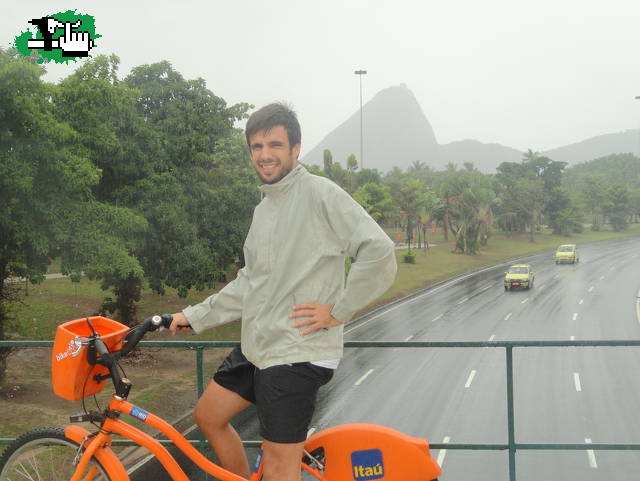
point(474, 216)
point(530, 155)
point(417, 166)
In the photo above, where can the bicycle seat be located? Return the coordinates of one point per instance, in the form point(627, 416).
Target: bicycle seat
point(367, 451)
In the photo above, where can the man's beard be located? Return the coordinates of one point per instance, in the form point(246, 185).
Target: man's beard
point(281, 175)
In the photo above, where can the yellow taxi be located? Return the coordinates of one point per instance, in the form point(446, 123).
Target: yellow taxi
point(567, 253)
point(519, 276)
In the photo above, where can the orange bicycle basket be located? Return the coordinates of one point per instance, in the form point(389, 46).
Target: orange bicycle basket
point(71, 373)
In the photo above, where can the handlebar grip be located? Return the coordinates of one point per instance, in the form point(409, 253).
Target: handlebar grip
point(101, 348)
point(166, 320)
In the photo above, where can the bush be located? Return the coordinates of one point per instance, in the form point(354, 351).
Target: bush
point(410, 258)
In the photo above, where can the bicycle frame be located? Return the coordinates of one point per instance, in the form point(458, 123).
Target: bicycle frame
point(99, 446)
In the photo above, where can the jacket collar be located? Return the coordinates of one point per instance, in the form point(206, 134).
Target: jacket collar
point(283, 185)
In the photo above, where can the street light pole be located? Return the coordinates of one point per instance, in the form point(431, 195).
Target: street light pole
point(637, 97)
point(360, 73)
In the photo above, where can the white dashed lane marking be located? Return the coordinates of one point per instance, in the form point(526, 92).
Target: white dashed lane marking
point(591, 455)
point(359, 381)
point(437, 317)
point(575, 316)
point(580, 301)
point(492, 337)
point(462, 301)
point(508, 316)
point(409, 338)
point(524, 301)
point(591, 289)
point(470, 379)
point(576, 381)
point(443, 452)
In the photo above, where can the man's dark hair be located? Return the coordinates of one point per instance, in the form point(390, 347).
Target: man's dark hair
point(272, 115)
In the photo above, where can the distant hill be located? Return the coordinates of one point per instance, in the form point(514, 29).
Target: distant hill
point(623, 169)
point(596, 147)
point(396, 133)
point(485, 157)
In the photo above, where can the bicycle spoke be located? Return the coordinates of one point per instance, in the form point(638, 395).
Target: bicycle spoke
point(25, 473)
point(47, 455)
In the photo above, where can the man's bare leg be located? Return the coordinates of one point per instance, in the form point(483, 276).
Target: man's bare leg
point(213, 413)
point(282, 461)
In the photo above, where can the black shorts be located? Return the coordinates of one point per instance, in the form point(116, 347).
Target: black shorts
point(284, 395)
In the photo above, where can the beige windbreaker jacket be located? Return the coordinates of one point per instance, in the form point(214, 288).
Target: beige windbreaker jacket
point(301, 233)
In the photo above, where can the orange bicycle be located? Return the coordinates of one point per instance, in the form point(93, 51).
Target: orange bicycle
point(85, 355)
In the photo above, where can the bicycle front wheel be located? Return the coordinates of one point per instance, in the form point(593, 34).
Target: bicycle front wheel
point(46, 454)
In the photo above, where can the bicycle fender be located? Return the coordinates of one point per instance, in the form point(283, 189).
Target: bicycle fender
point(108, 459)
point(367, 452)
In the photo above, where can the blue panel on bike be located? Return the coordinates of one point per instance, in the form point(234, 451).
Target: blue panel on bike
point(258, 459)
point(367, 464)
point(138, 413)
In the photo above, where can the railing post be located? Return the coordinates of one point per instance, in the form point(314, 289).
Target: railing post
point(510, 415)
point(200, 370)
point(200, 386)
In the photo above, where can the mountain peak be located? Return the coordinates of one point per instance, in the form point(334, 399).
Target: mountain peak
point(395, 133)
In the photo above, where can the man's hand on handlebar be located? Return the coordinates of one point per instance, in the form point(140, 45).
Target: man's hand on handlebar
point(179, 323)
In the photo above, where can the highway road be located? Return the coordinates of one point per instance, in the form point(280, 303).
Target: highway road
point(562, 395)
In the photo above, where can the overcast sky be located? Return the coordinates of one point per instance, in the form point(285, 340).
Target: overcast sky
point(537, 74)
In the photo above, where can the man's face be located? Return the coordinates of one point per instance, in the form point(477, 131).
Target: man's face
point(271, 154)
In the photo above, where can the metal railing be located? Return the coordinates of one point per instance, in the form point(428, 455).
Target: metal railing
point(511, 446)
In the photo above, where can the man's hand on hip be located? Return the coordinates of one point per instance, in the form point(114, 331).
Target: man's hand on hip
point(318, 316)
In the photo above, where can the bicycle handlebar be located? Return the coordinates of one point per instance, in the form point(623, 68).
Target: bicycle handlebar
point(98, 353)
point(134, 336)
point(131, 340)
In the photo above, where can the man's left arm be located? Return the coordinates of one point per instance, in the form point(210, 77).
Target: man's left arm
point(373, 268)
point(372, 271)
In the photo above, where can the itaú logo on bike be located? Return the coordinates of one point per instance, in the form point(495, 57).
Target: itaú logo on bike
point(73, 349)
point(367, 464)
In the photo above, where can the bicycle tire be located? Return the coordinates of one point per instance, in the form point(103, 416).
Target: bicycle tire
point(45, 454)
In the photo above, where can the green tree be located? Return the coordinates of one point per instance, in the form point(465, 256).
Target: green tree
point(352, 167)
point(199, 200)
point(411, 198)
point(168, 150)
point(634, 202)
point(46, 203)
point(594, 193)
point(327, 160)
point(338, 175)
point(525, 201)
point(473, 215)
point(366, 176)
point(376, 200)
point(103, 111)
point(618, 207)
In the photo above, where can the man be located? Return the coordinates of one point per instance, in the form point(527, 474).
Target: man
point(291, 297)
